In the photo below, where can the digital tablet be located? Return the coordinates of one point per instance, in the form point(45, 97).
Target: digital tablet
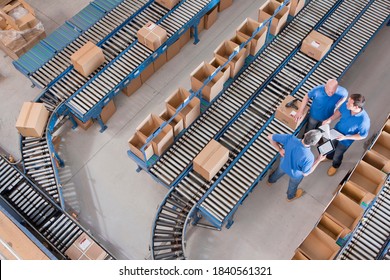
point(326, 148)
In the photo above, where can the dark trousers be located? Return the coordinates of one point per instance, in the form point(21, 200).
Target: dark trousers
point(337, 154)
point(312, 124)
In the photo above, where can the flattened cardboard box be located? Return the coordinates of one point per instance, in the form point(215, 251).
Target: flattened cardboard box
point(32, 119)
point(316, 45)
point(286, 115)
point(86, 249)
point(152, 36)
point(211, 159)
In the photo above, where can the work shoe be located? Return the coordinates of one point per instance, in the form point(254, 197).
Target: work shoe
point(298, 194)
point(269, 184)
point(332, 171)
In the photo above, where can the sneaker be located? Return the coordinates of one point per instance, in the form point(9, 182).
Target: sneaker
point(297, 195)
point(332, 171)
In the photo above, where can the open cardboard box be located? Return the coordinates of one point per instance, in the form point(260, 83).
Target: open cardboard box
point(332, 228)
point(382, 144)
point(239, 40)
point(246, 30)
point(190, 112)
point(280, 19)
point(345, 211)
point(136, 142)
point(177, 123)
point(216, 62)
point(368, 177)
point(225, 49)
point(300, 255)
point(387, 126)
point(357, 193)
point(319, 246)
point(377, 160)
point(200, 75)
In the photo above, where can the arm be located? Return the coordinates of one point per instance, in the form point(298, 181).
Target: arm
point(299, 114)
point(315, 164)
point(335, 116)
point(351, 137)
point(338, 104)
point(276, 145)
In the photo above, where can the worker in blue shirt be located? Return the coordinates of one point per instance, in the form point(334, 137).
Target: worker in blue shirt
point(354, 124)
point(326, 99)
point(297, 160)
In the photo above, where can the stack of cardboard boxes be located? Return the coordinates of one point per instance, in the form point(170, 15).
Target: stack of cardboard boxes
point(346, 209)
point(20, 30)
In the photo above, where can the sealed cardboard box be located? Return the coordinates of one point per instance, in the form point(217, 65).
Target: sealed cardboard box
point(200, 75)
point(177, 123)
point(85, 248)
point(286, 115)
point(357, 193)
point(132, 87)
point(169, 4)
point(19, 15)
point(108, 111)
point(83, 125)
point(185, 38)
point(345, 211)
point(210, 17)
point(14, 41)
point(225, 49)
point(87, 59)
point(173, 49)
point(280, 19)
point(224, 4)
point(160, 61)
point(136, 142)
point(4, 2)
point(201, 24)
point(3, 23)
point(32, 119)
point(382, 144)
point(152, 36)
point(147, 72)
point(210, 160)
point(368, 177)
point(217, 62)
point(190, 112)
point(316, 45)
point(319, 246)
point(246, 30)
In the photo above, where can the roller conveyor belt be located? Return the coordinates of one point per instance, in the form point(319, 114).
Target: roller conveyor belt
point(54, 226)
point(38, 165)
point(43, 74)
point(370, 239)
point(173, 163)
point(83, 102)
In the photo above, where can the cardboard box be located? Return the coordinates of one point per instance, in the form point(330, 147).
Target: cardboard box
point(357, 193)
point(21, 49)
point(83, 125)
point(319, 246)
point(217, 62)
point(132, 87)
point(136, 142)
point(387, 126)
point(246, 30)
point(32, 119)
point(4, 2)
point(332, 228)
point(279, 21)
point(210, 17)
point(316, 45)
point(177, 123)
point(185, 38)
point(239, 40)
point(225, 49)
point(368, 177)
point(87, 59)
point(152, 36)
point(201, 24)
point(382, 144)
point(107, 111)
point(147, 72)
point(286, 115)
point(14, 42)
point(163, 140)
point(377, 160)
point(169, 4)
point(296, 6)
point(173, 49)
point(299, 255)
point(3, 23)
point(199, 76)
point(224, 4)
point(210, 160)
point(160, 61)
point(345, 211)
point(85, 248)
point(21, 23)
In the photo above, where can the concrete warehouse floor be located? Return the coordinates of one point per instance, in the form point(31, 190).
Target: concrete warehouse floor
point(118, 205)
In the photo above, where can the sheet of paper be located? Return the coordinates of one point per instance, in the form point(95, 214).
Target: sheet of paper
point(334, 134)
point(326, 131)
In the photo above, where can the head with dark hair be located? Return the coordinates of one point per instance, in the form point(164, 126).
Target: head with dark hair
point(312, 137)
point(356, 102)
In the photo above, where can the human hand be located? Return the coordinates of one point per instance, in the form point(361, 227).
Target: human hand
point(321, 157)
point(328, 121)
point(342, 137)
point(281, 152)
point(298, 116)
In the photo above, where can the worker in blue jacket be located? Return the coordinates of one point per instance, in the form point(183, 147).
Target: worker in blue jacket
point(297, 160)
point(326, 99)
point(354, 124)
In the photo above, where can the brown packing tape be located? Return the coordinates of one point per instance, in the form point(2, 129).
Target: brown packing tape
point(211, 154)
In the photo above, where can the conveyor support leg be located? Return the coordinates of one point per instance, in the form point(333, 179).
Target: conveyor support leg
point(103, 127)
point(196, 35)
point(74, 123)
